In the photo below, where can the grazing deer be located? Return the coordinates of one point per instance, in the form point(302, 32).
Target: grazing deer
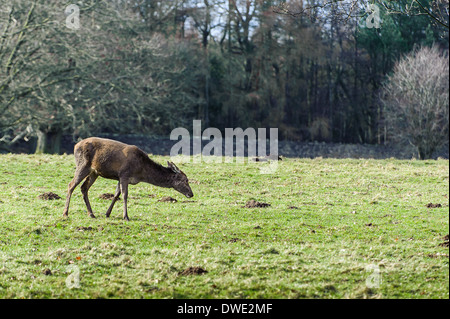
point(125, 163)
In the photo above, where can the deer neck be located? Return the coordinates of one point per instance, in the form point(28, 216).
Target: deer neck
point(159, 176)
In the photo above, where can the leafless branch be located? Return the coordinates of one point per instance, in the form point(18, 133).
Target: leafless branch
point(439, 11)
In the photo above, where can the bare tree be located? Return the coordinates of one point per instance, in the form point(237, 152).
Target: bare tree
point(107, 76)
point(40, 68)
point(416, 100)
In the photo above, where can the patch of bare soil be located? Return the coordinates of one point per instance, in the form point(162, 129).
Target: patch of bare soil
point(193, 271)
point(167, 199)
point(49, 196)
point(253, 204)
point(106, 196)
point(431, 205)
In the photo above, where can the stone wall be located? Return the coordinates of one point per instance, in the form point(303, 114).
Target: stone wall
point(162, 146)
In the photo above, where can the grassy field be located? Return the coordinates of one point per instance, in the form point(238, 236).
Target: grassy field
point(334, 229)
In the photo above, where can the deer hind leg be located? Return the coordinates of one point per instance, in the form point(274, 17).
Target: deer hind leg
point(84, 190)
point(80, 174)
point(116, 197)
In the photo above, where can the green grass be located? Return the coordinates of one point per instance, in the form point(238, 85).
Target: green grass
point(330, 224)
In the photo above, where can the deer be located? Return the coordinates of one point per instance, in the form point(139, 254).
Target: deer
point(125, 163)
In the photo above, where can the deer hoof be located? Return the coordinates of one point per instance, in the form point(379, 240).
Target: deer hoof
point(92, 215)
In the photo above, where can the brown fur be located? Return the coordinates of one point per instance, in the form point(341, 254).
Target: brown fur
point(122, 162)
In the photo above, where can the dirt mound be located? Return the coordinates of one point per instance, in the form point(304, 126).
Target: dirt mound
point(106, 196)
point(49, 196)
point(193, 271)
point(167, 199)
point(266, 158)
point(82, 228)
point(431, 205)
point(445, 243)
point(253, 203)
point(259, 159)
point(47, 272)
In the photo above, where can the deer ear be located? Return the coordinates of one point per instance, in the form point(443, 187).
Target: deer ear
point(173, 167)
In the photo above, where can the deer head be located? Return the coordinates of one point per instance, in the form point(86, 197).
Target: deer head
point(180, 181)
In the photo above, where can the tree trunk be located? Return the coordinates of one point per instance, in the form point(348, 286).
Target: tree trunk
point(56, 142)
point(41, 142)
point(425, 152)
point(48, 142)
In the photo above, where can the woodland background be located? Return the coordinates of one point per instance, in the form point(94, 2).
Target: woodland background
point(312, 69)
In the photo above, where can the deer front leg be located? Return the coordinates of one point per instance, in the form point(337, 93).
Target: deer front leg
point(80, 174)
point(124, 191)
point(116, 197)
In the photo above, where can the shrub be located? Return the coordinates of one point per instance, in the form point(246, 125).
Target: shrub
point(416, 100)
